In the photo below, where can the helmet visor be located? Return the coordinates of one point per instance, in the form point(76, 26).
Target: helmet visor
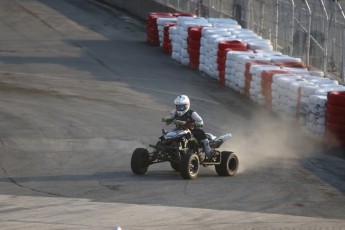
point(181, 107)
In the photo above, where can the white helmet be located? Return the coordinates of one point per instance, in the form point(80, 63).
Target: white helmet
point(182, 104)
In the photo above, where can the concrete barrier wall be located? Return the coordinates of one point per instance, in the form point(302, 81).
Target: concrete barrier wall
point(139, 8)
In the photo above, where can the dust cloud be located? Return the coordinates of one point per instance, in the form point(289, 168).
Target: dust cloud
point(266, 138)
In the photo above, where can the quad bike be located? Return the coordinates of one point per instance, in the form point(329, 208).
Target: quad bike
point(185, 154)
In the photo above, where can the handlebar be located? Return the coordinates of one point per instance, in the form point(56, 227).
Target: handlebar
point(184, 124)
point(179, 123)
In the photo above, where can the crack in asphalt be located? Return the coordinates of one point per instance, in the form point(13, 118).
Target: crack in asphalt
point(115, 187)
point(322, 167)
point(13, 181)
point(2, 143)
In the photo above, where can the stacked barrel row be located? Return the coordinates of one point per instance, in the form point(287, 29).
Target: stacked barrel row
point(183, 39)
point(152, 33)
point(248, 76)
point(243, 61)
point(238, 76)
point(223, 48)
point(162, 30)
point(211, 37)
point(154, 29)
point(277, 62)
point(296, 93)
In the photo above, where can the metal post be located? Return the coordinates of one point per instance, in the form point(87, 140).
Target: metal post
point(343, 48)
point(292, 27)
point(276, 26)
point(261, 19)
point(221, 9)
point(343, 62)
point(249, 16)
point(325, 59)
point(308, 31)
point(209, 8)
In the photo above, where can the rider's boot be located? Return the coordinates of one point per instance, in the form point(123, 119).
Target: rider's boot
point(208, 151)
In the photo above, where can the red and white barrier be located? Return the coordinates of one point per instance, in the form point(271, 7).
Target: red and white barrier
point(240, 59)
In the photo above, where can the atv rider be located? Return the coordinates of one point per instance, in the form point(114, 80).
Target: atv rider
point(185, 114)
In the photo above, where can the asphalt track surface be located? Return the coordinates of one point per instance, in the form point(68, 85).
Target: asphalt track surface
point(80, 90)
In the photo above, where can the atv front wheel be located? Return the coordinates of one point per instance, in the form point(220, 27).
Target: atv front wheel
point(175, 166)
point(140, 161)
point(228, 165)
point(189, 166)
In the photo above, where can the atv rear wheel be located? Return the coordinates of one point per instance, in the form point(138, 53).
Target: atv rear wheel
point(189, 166)
point(228, 165)
point(140, 161)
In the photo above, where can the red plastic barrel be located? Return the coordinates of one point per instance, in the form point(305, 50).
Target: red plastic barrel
point(266, 85)
point(183, 14)
point(299, 65)
point(335, 118)
point(193, 42)
point(167, 46)
point(234, 44)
